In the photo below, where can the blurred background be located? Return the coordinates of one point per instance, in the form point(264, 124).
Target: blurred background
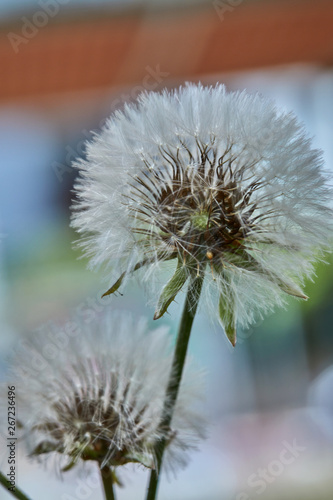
point(66, 65)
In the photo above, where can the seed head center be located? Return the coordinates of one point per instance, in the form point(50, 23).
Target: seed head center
point(200, 220)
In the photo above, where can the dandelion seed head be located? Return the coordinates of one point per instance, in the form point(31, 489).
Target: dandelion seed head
point(224, 184)
point(101, 396)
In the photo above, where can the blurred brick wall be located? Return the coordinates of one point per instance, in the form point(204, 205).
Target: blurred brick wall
point(45, 53)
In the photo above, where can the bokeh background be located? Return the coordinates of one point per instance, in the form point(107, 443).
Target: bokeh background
point(65, 66)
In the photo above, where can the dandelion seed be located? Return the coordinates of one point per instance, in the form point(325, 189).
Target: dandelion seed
point(223, 184)
point(101, 397)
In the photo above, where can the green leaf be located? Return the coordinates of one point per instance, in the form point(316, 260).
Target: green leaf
point(228, 319)
point(171, 289)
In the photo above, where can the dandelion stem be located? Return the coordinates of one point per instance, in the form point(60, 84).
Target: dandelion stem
point(107, 478)
point(184, 331)
point(17, 493)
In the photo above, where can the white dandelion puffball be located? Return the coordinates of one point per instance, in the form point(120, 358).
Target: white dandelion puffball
point(97, 393)
point(222, 183)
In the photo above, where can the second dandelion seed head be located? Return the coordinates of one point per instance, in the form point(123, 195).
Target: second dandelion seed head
point(101, 398)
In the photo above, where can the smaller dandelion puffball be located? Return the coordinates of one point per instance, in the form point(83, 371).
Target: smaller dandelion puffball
point(221, 185)
point(98, 394)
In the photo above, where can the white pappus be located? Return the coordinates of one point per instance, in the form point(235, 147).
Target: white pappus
point(100, 396)
point(222, 184)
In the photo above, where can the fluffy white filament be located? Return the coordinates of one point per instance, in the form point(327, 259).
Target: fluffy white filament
point(223, 183)
point(97, 393)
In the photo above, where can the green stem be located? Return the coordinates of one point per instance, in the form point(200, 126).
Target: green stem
point(184, 331)
point(107, 478)
point(16, 493)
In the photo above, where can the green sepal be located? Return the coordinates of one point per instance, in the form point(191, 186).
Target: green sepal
point(115, 479)
point(69, 466)
point(171, 289)
point(291, 289)
point(137, 266)
point(44, 447)
point(115, 286)
point(145, 459)
point(119, 281)
point(228, 320)
point(248, 262)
